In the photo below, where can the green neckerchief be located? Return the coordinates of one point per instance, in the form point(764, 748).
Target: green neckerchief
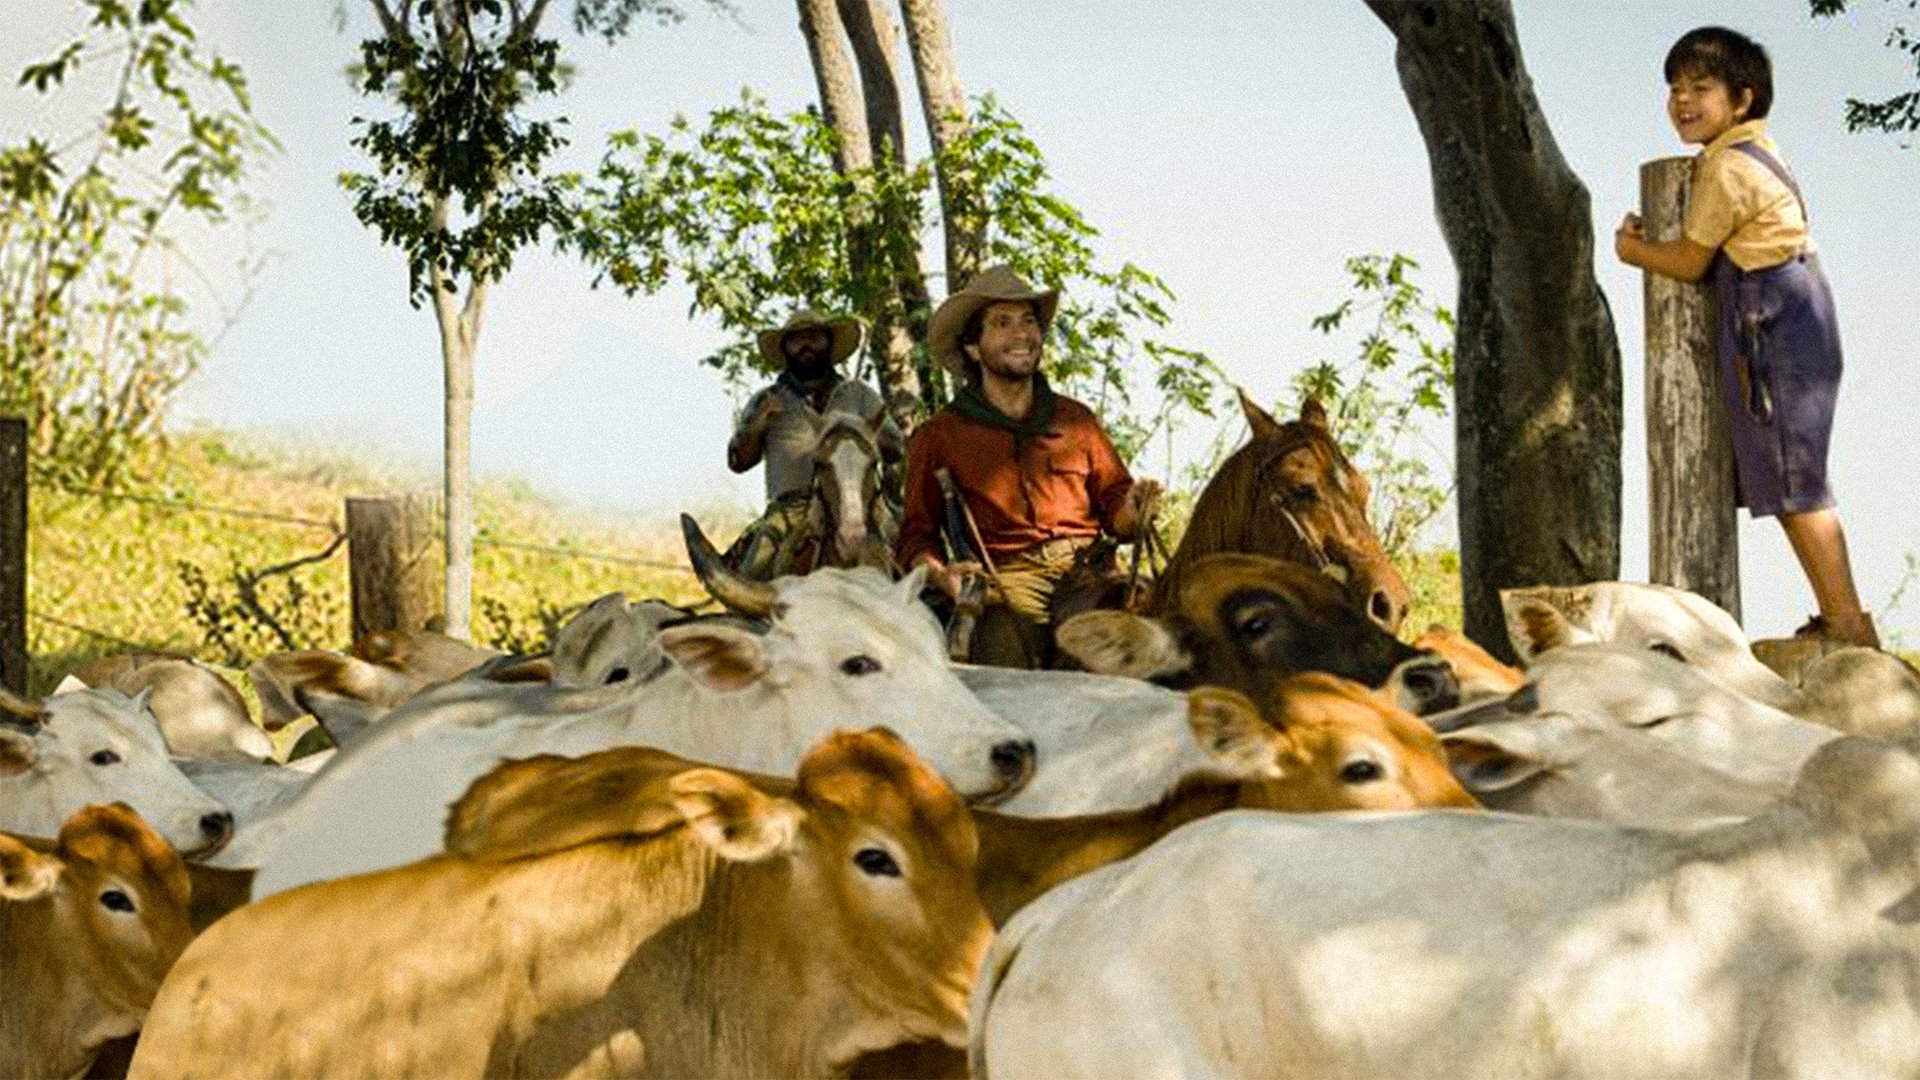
point(971, 403)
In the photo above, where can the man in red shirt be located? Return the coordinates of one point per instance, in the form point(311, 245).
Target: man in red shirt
point(1038, 474)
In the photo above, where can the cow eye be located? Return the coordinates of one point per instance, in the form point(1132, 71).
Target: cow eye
point(1665, 649)
point(1305, 493)
point(618, 674)
point(115, 900)
point(104, 757)
point(860, 665)
point(875, 862)
point(1361, 772)
point(1255, 625)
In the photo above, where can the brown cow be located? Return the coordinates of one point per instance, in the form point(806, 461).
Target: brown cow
point(1323, 743)
point(1247, 621)
point(89, 925)
point(626, 912)
point(1481, 677)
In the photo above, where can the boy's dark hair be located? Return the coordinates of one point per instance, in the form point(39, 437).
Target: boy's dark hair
point(1727, 55)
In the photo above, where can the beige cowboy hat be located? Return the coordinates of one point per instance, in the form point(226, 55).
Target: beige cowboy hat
point(844, 328)
point(993, 285)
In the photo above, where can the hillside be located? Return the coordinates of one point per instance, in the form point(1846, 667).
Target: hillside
point(107, 574)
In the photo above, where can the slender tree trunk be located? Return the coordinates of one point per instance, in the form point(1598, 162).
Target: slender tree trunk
point(945, 106)
point(840, 100)
point(902, 309)
point(1537, 365)
point(459, 340)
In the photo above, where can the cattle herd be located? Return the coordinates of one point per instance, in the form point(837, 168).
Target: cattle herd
point(1258, 836)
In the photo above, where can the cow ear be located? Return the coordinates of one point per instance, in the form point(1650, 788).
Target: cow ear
point(68, 685)
point(1491, 758)
point(724, 658)
point(736, 819)
point(1261, 421)
point(1312, 412)
point(25, 874)
point(1229, 728)
point(912, 583)
point(1533, 624)
point(17, 753)
point(1122, 643)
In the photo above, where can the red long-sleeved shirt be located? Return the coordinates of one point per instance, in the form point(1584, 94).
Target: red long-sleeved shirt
point(1069, 482)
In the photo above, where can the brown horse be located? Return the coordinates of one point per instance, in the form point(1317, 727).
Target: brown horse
point(1289, 493)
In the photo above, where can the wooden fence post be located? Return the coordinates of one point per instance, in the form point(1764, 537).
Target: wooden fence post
point(392, 565)
point(1691, 526)
point(13, 553)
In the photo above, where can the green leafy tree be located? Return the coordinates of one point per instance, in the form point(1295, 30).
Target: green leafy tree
point(1898, 113)
point(1399, 374)
point(96, 331)
point(750, 211)
point(461, 181)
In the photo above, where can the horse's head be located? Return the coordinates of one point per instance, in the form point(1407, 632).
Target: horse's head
point(1291, 494)
point(847, 508)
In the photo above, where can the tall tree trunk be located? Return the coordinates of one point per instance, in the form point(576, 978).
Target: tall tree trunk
point(900, 315)
point(459, 340)
point(1537, 365)
point(945, 106)
point(846, 111)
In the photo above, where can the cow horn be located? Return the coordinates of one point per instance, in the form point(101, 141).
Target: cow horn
point(21, 712)
point(751, 598)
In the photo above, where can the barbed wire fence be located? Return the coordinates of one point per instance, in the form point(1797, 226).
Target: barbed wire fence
point(336, 535)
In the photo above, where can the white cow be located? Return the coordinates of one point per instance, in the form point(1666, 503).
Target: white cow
point(1433, 946)
point(843, 648)
point(1858, 691)
point(98, 746)
point(1654, 697)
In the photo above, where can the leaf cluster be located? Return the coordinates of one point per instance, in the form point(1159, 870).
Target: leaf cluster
point(458, 182)
point(1398, 374)
point(1894, 114)
point(751, 213)
point(95, 338)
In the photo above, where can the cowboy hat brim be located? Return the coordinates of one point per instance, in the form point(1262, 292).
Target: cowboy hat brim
point(845, 330)
point(992, 286)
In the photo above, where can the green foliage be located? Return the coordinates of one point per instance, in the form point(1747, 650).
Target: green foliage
point(95, 331)
point(260, 611)
point(751, 213)
point(1900, 112)
point(459, 185)
point(1401, 373)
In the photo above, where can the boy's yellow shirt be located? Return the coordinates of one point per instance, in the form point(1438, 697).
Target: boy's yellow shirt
point(1738, 204)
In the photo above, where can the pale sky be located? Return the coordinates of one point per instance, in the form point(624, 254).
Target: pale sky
point(1241, 154)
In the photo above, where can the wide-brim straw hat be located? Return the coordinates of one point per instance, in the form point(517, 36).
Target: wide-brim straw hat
point(995, 284)
point(844, 328)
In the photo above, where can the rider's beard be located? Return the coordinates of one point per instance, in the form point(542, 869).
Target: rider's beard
point(810, 365)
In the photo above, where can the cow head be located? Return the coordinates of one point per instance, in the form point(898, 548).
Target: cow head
point(94, 746)
point(1323, 743)
point(1246, 621)
point(613, 641)
point(109, 901)
point(881, 855)
point(1292, 494)
point(1678, 623)
point(841, 645)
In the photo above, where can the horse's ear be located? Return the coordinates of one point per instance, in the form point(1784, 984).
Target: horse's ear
point(1260, 420)
point(1312, 412)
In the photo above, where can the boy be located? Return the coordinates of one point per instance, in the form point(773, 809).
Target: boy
point(1746, 225)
